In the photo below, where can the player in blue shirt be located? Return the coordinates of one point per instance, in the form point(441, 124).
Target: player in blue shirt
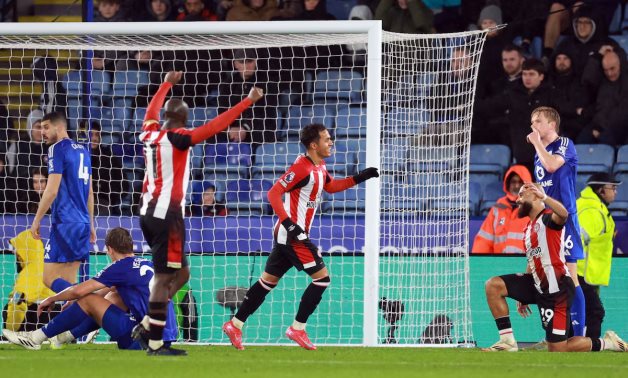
point(116, 299)
point(555, 165)
point(69, 193)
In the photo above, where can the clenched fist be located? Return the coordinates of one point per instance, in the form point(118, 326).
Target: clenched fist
point(255, 94)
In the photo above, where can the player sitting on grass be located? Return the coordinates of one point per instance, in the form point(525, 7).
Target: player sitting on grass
point(114, 299)
point(546, 281)
point(303, 186)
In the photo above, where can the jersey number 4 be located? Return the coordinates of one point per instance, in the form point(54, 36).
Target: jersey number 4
point(83, 171)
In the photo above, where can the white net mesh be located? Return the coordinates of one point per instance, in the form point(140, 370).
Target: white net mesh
point(105, 82)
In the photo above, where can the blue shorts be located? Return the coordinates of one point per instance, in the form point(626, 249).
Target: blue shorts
point(68, 242)
point(573, 243)
point(119, 325)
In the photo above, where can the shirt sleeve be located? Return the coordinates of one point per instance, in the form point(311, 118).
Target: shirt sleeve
point(547, 220)
point(56, 160)
point(112, 275)
point(180, 138)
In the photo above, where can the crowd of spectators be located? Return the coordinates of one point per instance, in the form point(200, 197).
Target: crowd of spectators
point(551, 53)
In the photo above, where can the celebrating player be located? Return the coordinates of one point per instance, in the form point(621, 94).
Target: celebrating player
point(167, 150)
point(116, 299)
point(69, 192)
point(546, 282)
point(304, 183)
point(555, 166)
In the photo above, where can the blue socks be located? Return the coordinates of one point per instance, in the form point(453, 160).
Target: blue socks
point(59, 285)
point(72, 317)
point(87, 325)
point(578, 314)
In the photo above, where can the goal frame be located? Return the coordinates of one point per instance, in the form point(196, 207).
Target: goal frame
point(372, 28)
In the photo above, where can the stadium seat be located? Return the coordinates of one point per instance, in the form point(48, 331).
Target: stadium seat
point(431, 158)
point(200, 116)
point(338, 86)
point(273, 159)
point(350, 153)
point(229, 157)
point(248, 197)
point(475, 197)
point(101, 89)
point(621, 165)
point(350, 122)
point(489, 158)
point(394, 155)
point(408, 91)
point(350, 201)
point(301, 116)
point(594, 158)
point(447, 200)
point(340, 8)
point(125, 83)
point(72, 84)
point(492, 192)
point(400, 121)
point(619, 207)
point(399, 196)
point(75, 112)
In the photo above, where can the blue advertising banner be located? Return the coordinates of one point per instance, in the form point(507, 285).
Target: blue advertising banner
point(333, 234)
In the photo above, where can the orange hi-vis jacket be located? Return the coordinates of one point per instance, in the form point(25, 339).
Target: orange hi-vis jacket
point(502, 231)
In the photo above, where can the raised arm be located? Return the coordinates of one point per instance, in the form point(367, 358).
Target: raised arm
point(156, 103)
point(560, 213)
point(223, 120)
point(551, 162)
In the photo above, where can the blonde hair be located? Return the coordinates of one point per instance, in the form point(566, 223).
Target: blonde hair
point(550, 114)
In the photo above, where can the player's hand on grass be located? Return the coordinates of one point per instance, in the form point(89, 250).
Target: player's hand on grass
point(523, 310)
point(366, 174)
point(294, 230)
point(173, 77)
point(255, 94)
point(35, 230)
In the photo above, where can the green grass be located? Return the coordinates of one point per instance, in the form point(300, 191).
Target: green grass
point(221, 361)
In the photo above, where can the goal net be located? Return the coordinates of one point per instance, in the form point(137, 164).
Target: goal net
point(396, 248)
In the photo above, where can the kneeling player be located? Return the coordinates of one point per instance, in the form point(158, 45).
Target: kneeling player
point(546, 282)
point(114, 299)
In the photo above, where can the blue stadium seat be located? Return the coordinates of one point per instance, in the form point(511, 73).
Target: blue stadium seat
point(229, 157)
point(71, 82)
point(431, 158)
point(340, 8)
point(621, 165)
point(409, 90)
point(200, 116)
point(338, 86)
point(448, 200)
point(125, 83)
point(475, 197)
point(351, 152)
point(248, 197)
point(405, 121)
point(594, 158)
point(273, 159)
point(619, 207)
point(394, 154)
point(489, 158)
point(121, 115)
point(101, 88)
point(301, 116)
point(350, 123)
point(196, 196)
point(492, 192)
point(399, 196)
point(350, 201)
point(75, 112)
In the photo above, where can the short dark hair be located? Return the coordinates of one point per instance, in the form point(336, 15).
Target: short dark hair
point(55, 117)
point(120, 239)
point(512, 47)
point(311, 133)
point(533, 64)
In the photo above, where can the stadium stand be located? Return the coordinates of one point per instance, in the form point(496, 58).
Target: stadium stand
point(595, 158)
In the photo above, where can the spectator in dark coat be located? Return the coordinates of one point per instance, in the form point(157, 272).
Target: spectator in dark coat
point(237, 83)
point(252, 10)
point(610, 118)
point(573, 95)
point(195, 10)
point(28, 201)
point(316, 10)
point(405, 16)
point(8, 189)
point(208, 206)
point(517, 104)
point(107, 181)
point(6, 127)
point(491, 57)
point(159, 10)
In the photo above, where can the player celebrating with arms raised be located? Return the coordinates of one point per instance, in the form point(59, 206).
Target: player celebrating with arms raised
point(555, 165)
point(303, 185)
point(547, 282)
point(69, 192)
point(167, 150)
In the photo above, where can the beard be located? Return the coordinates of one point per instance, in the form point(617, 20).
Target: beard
point(524, 210)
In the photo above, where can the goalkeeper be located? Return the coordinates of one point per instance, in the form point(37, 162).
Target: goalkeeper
point(114, 299)
point(303, 185)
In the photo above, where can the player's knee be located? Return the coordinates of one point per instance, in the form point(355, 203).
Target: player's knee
point(269, 278)
point(494, 285)
point(323, 282)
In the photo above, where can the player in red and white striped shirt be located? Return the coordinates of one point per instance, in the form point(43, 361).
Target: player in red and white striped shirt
point(546, 282)
point(167, 156)
point(303, 186)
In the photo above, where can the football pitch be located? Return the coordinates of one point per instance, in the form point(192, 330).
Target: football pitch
point(222, 361)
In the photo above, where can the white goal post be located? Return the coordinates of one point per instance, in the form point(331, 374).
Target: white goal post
point(411, 103)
